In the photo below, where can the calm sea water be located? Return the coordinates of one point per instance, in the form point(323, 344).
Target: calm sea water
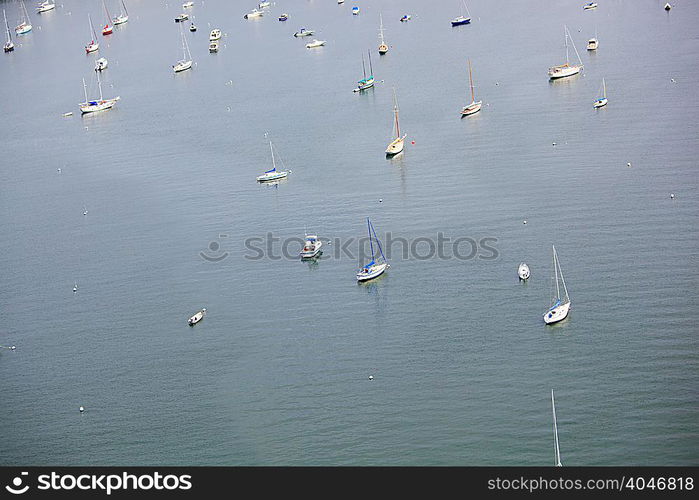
point(278, 371)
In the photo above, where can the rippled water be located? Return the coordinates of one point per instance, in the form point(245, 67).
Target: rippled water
point(277, 372)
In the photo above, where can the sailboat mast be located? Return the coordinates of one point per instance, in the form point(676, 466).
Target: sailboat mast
point(368, 224)
point(565, 29)
point(124, 5)
point(555, 270)
point(99, 84)
point(85, 88)
point(604, 89)
point(363, 67)
point(378, 242)
point(395, 113)
point(371, 70)
point(557, 450)
point(381, 28)
point(567, 299)
point(470, 79)
point(274, 165)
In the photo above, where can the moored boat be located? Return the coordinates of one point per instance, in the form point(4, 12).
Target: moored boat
point(196, 318)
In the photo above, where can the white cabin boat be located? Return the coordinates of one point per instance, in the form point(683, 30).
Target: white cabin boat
point(101, 64)
point(253, 14)
point(315, 43)
point(590, 6)
point(187, 5)
point(182, 17)
point(304, 32)
point(311, 247)
point(592, 44)
point(523, 271)
point(45, 6)
point(215, 34)
point(213, 45)
point(197, 317)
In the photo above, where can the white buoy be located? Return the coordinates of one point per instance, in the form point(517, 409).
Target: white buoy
point(525, 221)
point(380, 200)
point(82, 409)
point(672, 195)
point(673, 80)
point(554, 144)
point(371, 377)
point(59, 170)
point(628, 164)
point(12, 348)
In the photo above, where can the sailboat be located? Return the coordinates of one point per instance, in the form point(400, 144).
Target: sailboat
point(396, 145)
point(92, 46)
point(123, 15)
point(462, 19)
point(273, 174)
point(523, 271)
point(45, 6)
point(474, 107)
point(107, 30)
point(24, 26)
point(566, 69)
point(367, 81)
point(186, 61)
point(9, 45)
point(560, 305)
point(602, 101)
point(373, 269)
point(383, 48)
point(98, 104)
point(556, 449)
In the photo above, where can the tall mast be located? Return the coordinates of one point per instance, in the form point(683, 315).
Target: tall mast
point(378, 242)
point(565, 28)
point(371, 70)
point(604, 89)
point(274, 165)
point(557, 450)
point(381, 29)
point(109, 18)
point(567, 299)
point(555, 270)
point(470, 79)
point(99, 84)
point(395, 112)
point(368, 224)
point(124, 5)
point(85, 88)
point(363, 67)
point(7, 26)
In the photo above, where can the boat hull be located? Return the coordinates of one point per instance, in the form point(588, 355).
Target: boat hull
point(564, 71)
point(375, 271)
point(182, 66)
point(600, 102)
point(92, 48)
point(310, 253)
point(556, 314)
point(460, 21)
point(120, 20)
point(273, 177)
point(523, 272)
point(472, 108)
point(93, 106)
point(23, 29)
point(196, 318)
point(9, 47)
point(383, 49)
point(395, 147)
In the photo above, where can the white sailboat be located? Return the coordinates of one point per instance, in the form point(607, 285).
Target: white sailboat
point(9, 45)
point(93, 45)
point(45, 6)
point(90, 106)
point(463, 18)
point(315, 43)
point(24, 26)
point(560, 305)
point(273, 174)
point(566, 69)
point(253, 14)
point(396, 145)
point(383, 48)
point(186, 61)
point(373, 269)
point(123, 15)
point(602, 101)
point(311, 246)
point(557, 451)
point(474, 107)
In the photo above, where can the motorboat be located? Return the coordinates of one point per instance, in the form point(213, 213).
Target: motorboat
point(315, 43)
point(213, 46)
point(523, 271)
point(311, 246)
point(304, 32)
point(215, 34)
point(101, 64)
point(253, 13)
point(197, 317)
point(45, 6)
point(182, 17)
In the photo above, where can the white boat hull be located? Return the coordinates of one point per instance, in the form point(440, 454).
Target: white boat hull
point(120, 20)
point(182, 66)
point(556, 314)
point(315, 43)
point(395, 147)
point(196, 318)
point(101, 64)
point(92, 106)
point(375, 271)
point(564, 71)
point(523, 271)
point(472, 108)
point(600, 102)
point(271, 177)
point(309, 253)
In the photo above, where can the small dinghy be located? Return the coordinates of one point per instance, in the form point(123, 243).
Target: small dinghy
point(523, 271)
point(196, 318)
